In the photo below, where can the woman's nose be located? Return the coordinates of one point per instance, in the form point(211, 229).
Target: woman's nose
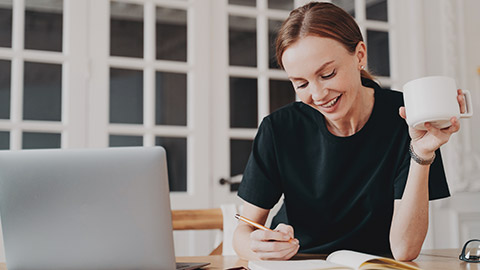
point(318, 92)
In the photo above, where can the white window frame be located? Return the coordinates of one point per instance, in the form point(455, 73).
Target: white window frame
point(73, 71)
point(197, 129)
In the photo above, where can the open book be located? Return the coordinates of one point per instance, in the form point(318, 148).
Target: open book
point(342, 259)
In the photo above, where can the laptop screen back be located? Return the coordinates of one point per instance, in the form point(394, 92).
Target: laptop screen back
point(86, 209)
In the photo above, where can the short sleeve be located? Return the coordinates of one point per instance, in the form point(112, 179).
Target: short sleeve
point(260, 184)
point(437, 181)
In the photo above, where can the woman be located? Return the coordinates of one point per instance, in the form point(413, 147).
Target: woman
point(341, 156)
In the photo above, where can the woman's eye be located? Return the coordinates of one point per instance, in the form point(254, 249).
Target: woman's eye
point(301, 86)
point(329, 75)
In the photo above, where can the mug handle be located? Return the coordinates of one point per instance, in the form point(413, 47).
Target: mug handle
point(468, 99)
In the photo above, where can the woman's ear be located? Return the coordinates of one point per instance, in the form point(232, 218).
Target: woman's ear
point(361, 53)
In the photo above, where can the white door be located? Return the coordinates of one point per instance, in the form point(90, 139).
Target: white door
point(247, 84)
point(42, 75)
point(148, 87)
point(42, 103)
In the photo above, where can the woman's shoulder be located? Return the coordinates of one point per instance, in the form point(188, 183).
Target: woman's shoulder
point(388, 102)
point(385, 95)
point(293, 113)
point(393, 97)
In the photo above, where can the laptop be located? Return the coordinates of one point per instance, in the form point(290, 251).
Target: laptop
point(87, 209)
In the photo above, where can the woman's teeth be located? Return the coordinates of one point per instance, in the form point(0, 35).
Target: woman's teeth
point(331, 103)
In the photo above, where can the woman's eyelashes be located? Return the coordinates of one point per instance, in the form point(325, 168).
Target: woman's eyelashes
point(302, 85)
point(329, 75)
point(324, 77)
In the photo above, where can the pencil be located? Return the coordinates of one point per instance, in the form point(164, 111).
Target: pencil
point(254, 224)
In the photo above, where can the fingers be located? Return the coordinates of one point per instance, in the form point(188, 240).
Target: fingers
point(286, 229)
point(454, 127)
point(272, 246)
point(401, 112)
point(443, 134)
point(291, 254)
point(451, 129)
point(261, 235)
point(434, 137)
point(461, 101)
point(279, 244)
point(284, 254)
point(278, 250)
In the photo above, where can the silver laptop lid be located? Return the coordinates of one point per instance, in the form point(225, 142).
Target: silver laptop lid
point(86, 209)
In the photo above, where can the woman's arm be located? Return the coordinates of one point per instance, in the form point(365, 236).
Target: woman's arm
point(410, 216)
point(252, 244)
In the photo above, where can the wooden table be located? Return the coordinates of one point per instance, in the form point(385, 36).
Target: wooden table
point(434, 259)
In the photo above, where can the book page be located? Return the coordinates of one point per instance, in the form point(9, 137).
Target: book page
point(388, 263)
point(350, 258)
point(358, 260)
point(295, 265)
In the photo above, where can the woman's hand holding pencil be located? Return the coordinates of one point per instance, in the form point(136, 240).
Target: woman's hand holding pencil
point(278, 244)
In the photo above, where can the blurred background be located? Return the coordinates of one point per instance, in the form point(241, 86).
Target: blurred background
point(198, 76)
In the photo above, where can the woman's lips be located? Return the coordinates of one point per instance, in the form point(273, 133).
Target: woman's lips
point(329, 103)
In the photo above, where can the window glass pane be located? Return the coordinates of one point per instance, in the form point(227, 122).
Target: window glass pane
point(280, 4)
point(43, 25)
point(34, 140)
point(250, 3)
point(347, 5)
point(377, 10)
point(42, 97)
point(126, 30)
point(171, 34)
point(123, 140)
point(242, 37)
point(6, 23)
point(4, 140)
point(126, 96)
point(273, 27)
point(176, 149)
point(171, 99)
point(378, 53)
point(5, 74)
point(239, 153)
point(281, 94)
point(243, 103)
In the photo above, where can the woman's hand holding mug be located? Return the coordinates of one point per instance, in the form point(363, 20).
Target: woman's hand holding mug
point(433, 107)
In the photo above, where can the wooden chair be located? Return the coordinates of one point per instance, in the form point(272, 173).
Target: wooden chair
point(199, 219)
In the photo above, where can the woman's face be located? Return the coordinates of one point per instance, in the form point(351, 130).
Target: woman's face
point(325, 75)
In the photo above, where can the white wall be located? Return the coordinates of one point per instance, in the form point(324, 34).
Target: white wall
point(442, 37)
point(452, 38)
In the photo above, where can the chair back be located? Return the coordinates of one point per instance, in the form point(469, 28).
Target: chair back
point(199, 219)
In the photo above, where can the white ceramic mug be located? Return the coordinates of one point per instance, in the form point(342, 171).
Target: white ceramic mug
point(433, 99)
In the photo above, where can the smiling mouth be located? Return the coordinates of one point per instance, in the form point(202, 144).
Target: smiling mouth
point(331, 103)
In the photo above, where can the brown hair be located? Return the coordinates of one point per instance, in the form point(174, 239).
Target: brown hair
point(323, 20)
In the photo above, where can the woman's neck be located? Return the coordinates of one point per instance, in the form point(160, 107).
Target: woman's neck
point(357, 116)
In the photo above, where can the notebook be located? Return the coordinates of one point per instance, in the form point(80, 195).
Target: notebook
point(340, 259)
point(86, 209)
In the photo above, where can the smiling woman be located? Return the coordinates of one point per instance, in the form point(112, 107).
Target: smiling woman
point(340, 156)
point(317, 64)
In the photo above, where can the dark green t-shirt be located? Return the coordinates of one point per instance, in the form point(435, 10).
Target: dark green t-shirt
point(339, 191)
